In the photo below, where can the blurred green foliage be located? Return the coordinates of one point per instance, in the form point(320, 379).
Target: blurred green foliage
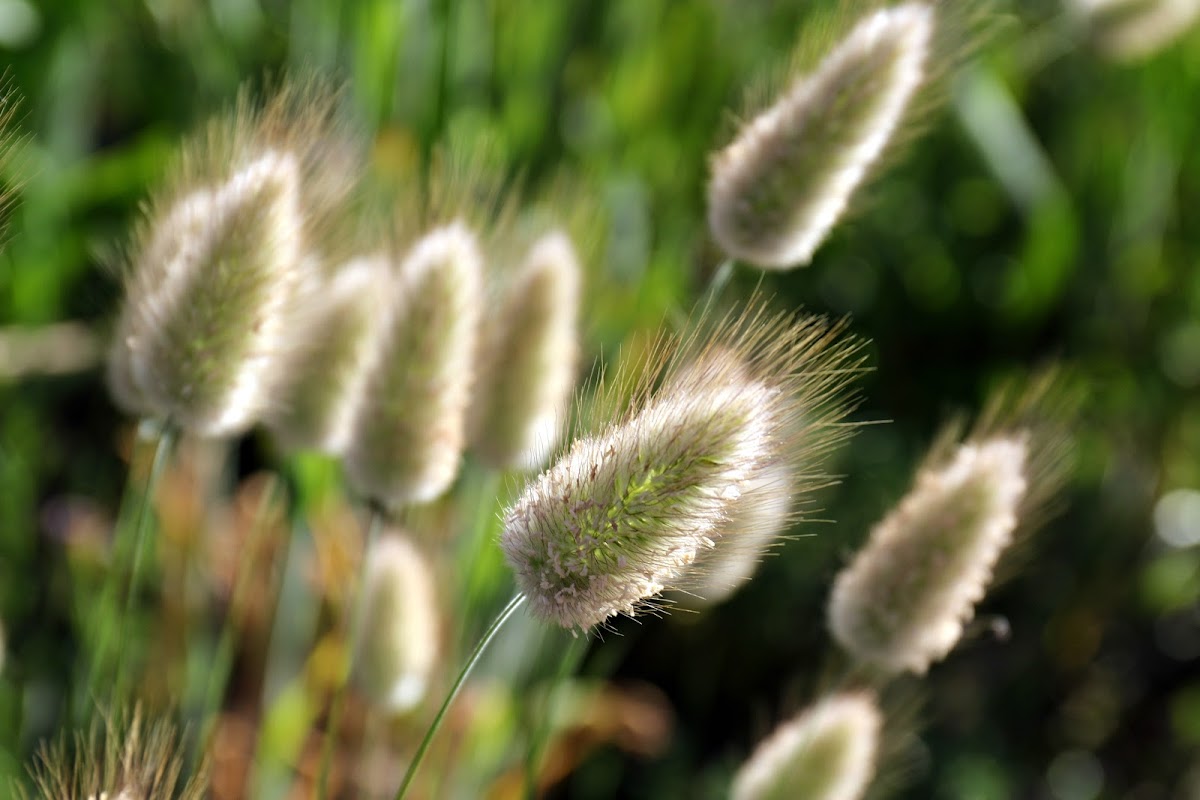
point(1047, 212)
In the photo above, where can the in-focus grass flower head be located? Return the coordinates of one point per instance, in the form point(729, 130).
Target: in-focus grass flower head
point(787, 177)
point(631, 504)
point(828, 752)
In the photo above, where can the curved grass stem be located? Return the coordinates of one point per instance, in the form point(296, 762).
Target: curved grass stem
point(717, 282)
point(472, 659)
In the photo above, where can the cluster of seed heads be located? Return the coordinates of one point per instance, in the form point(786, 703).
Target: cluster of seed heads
point(239, 312)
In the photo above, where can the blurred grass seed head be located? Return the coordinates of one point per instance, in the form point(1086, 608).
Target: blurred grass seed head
point(216, 262)
point(902, 602)
point(828, 752)
point(398, 649)
point(785, 180)
point(409, 428)
point(324, 374)
point(529, 357)
point(1129, 30)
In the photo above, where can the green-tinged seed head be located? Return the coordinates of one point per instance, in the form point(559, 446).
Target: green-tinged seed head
point(325, 370)
point(628, 509)
point(214, 266)
point(624, 515)
point(1129, 30)
point(529, 354)
point(399, 646)
point(409, 428)
point(826, 753)
point(786, 179)
point(207, 300)
point(901, 604)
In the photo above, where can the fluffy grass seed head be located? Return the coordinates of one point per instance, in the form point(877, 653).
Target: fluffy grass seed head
point(125, 758)
point(215, 264)
point(398, 648)
point(902, 602)
point(785, 180)
point(1128, 30)
point(827, 753)
point(208, 298)
point(528, 358)
point(325, 373)
point(409, 427)
point(752, 530)
point(627, 509)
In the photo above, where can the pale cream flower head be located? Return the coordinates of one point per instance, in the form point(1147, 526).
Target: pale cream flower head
point(399, 644)
point(1128, 30)
point(409, 427)
point(787, 177)
point(828, 752)
point(214, 266)
point(903, 601)
point(528, 360)
point(325, 372)
point(626, 511)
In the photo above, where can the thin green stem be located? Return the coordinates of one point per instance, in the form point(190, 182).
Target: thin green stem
point(162, 451)
point(101, 629)
point(472, 659)
point(717, 283)
point(568, 663)
point(336, 707)
point(288, 559)
point(475, 551)
point(222, 662)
